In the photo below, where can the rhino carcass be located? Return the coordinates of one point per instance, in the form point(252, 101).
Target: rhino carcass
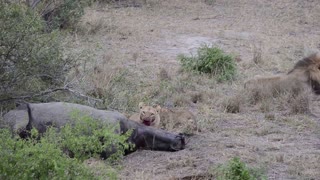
point(57, 114)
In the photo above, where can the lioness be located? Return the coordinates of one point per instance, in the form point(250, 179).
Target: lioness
point(148, 115)
point(178, 120)
point(174, 119)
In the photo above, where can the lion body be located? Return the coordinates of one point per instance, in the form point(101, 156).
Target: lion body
point(179, 120)
point(148, 115)
point(305, 75)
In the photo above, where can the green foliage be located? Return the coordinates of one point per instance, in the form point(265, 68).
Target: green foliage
point(88, 138)
point(237, 170)
point(29, 159)
point(31, 60)
point(50, 157)
point(211, 60)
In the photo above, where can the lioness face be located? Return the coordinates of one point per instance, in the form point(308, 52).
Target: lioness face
point(149, 115)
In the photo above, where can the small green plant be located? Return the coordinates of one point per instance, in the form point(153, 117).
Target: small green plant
point(237, 170)
point(211, 60)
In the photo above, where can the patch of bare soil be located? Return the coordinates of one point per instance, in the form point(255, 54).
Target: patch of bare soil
point(278, 33)
point(284, 147)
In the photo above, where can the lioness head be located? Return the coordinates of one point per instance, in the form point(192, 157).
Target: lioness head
point(149, 115)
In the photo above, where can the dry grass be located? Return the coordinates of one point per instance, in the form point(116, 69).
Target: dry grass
point(101, 168)
point(257, 55)
point(233, 104)
point(179, 120)
point(164, 75)
point(134, 50)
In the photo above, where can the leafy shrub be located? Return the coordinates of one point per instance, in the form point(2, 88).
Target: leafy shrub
point(21, 159)
point(237, 170)
point(50, 157)
point(88, 138)
point(31, 61)
point(211, 60)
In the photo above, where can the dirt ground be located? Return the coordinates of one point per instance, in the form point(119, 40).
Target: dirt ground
point(145, 36)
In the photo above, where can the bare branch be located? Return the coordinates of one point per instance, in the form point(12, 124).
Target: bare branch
point(32, 3)
point(49, 92)
point(82, 95)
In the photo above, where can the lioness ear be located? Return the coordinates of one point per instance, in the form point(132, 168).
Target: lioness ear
point(158, 108)
point(141, 104)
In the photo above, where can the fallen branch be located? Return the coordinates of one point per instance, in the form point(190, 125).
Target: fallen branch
point(82, 95)
point(49, 92)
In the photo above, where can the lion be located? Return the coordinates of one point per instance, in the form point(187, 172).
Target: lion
point(304, 75)
point(148, 115)
point(173, 119)
point(178, 120)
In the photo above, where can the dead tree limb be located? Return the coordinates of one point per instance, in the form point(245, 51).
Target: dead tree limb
point(76, 93)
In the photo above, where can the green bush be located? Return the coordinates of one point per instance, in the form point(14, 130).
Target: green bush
point(21, 159)
point(86, 138)
point(211, 60)
point(237, 170)
point(50, 157)
point(31, 61)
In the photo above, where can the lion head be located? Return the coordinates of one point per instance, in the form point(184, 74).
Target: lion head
point(308, 70)
point(148, 115)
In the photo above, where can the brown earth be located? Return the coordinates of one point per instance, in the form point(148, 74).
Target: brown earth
point(266, 36)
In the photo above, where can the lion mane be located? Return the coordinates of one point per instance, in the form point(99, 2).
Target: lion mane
point(305, 74)
point(309, 67)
